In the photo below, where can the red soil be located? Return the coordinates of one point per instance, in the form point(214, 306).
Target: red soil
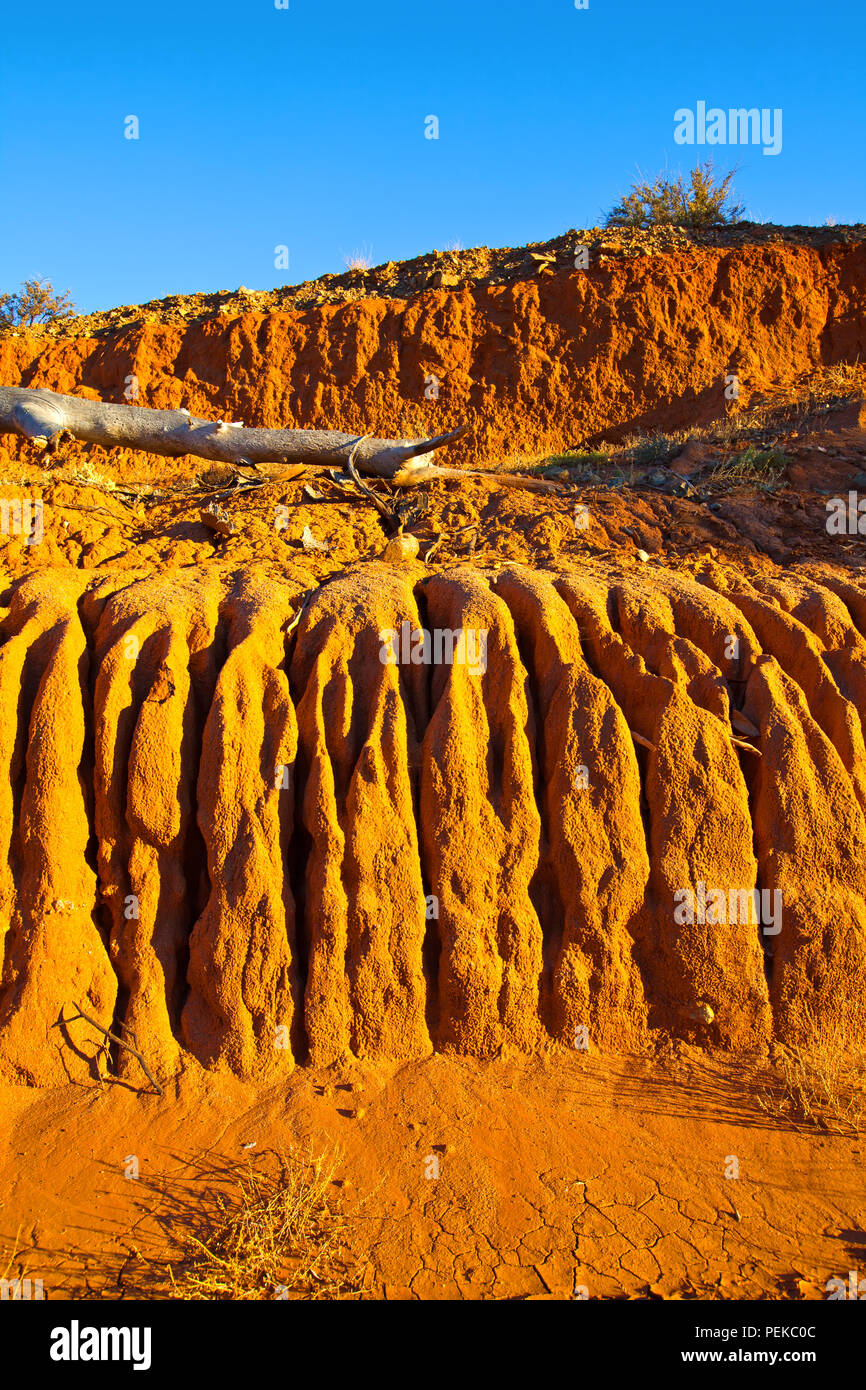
point(532, 365)
point(228, 826)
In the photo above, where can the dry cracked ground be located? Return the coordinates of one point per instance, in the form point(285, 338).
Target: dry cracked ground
point(557, 1178)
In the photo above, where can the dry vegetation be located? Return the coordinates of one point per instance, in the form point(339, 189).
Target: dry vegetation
point(821, 1082)
point(35, 303)
point(751, 428)
point(276, 1226)
point(273, 1235)
point(751, 466)
point(705, 201)
point(359, 260)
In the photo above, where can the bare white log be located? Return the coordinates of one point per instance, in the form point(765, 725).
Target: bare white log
point(44, 416)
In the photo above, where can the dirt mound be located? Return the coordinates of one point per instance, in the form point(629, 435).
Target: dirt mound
point(255, 842)
point(534, 354)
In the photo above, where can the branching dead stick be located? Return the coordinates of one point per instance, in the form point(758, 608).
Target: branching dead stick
point(364, 488)
point(121, 1042)
point(44, 416)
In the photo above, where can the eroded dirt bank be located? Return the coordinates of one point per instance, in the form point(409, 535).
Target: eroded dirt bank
point(254, 842)
point(532, 361)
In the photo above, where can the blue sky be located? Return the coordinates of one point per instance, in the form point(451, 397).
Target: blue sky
point(304, 127)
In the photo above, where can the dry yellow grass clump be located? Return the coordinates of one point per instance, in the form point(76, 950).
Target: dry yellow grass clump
point(274, 1235)
point(821, 1082)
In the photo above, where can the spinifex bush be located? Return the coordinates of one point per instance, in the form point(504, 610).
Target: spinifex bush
point(703, 202)
point(822, 1081)
point(273, 1235)
point(581, 464)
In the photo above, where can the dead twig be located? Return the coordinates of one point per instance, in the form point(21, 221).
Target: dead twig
point(112, 1037)
point(434, 547)
point(506, 479)
point(120, 520)
point(747, 747)
point(644, 742)
point(382, 507)
point(300, 613)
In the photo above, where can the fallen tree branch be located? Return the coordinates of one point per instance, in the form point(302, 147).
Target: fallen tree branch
point(47, 417)
point(109, 1036)
point(44, 416)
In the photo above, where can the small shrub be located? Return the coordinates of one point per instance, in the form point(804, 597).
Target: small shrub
point(272, 1232)
point(704, 202)
point(35, 302)
point(751, 466)
point(359, 260)
point(580, 464)
point(652, 448)
point(843, 377)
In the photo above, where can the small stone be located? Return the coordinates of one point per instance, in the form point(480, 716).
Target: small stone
point(439, 279)
point(400, 549)
point(702, 1013)
point(216, 519)
point(642, 556)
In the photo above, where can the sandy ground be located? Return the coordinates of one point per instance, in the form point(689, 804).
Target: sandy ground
point(557, 1177)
